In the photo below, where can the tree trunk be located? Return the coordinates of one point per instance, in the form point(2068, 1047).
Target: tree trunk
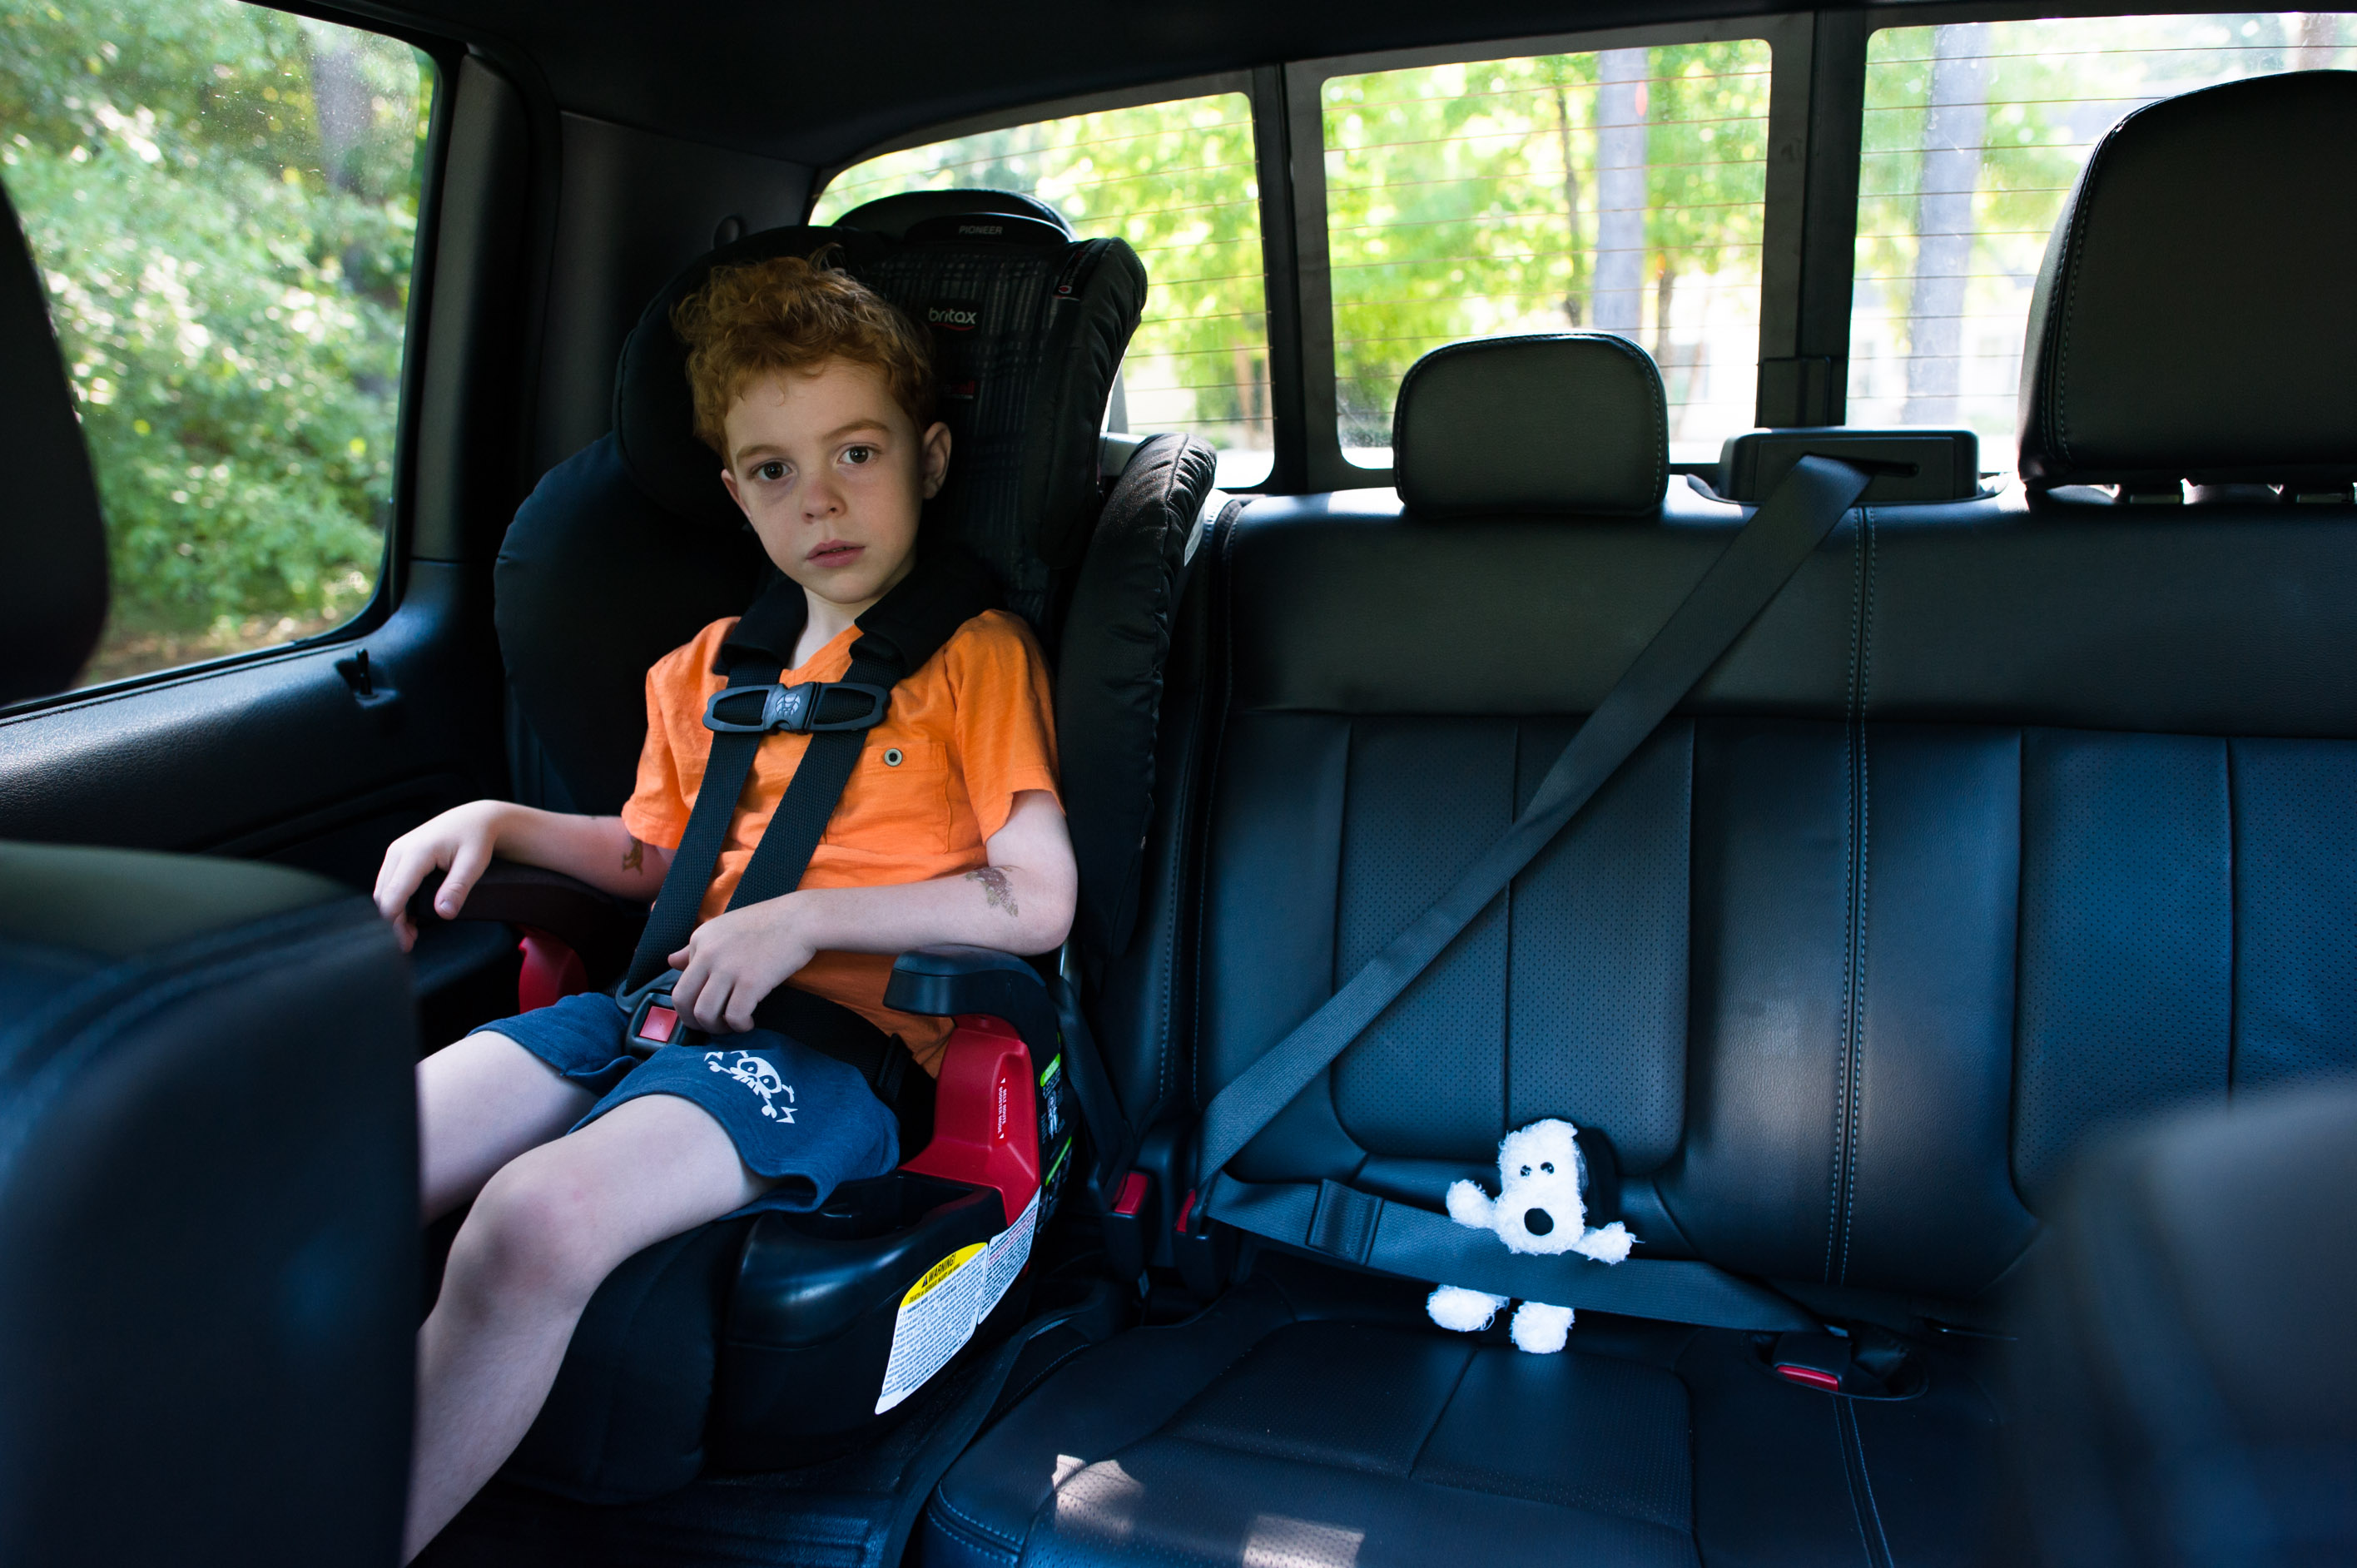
point(1953, 130)
point(1618, 299)
point(1572, 302)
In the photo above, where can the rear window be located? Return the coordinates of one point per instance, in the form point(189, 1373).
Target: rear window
point(1621, 190)
point(1175, 180)
point(1973, 135)
point(222, 202)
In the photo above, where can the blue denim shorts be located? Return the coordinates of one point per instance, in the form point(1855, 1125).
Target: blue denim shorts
point(798, 1118)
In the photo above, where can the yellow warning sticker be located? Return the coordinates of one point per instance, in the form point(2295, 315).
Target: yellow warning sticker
point(941, 1310)
point(940, 1271)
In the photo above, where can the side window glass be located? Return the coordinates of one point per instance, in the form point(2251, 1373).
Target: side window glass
point(1174, 179)
point(222, 201)
point(1620, 190)
point(1973, 135)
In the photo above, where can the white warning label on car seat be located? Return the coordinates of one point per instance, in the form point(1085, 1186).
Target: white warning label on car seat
point(941, 1310)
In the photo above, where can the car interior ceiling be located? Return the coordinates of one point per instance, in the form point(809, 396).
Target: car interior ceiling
point(1969, 952)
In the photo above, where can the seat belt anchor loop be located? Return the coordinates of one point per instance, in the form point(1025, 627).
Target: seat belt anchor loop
point(769, 708)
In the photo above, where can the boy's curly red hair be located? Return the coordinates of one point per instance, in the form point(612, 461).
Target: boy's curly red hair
point(788, 314)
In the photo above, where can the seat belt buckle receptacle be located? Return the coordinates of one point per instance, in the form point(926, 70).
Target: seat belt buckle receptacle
point(796, 710)
point(655, 1022)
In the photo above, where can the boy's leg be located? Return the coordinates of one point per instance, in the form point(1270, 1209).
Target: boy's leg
point(546, 1230)
point(480, 1103)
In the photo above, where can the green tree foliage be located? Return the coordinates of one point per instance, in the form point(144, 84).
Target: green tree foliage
point(223, 201)
point(1462, 201)
point(1176, 181)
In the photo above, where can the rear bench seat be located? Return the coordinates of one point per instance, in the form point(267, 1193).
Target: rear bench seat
point(2009, 820)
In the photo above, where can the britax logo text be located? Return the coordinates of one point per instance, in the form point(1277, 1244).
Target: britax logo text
point(956, 318)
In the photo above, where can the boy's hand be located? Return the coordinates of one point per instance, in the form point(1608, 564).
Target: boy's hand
point(460, 841)
point(737, 958)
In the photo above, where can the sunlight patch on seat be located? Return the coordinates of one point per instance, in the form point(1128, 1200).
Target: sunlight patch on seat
point(1100, 1502)
point(1276, 1541)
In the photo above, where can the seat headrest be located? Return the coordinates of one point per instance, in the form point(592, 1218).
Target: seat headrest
point(1567, 422)
point(53, 534)
point(1028, 331)
point(894, 216)
point(2194, 318)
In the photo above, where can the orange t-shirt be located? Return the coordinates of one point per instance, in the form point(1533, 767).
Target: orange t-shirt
point(972, 729)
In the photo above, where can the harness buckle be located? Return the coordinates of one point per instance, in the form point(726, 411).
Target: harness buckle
point(792, 709)
point(654, 1021)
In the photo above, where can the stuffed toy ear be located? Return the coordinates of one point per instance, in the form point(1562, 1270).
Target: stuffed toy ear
point(1469, 1205)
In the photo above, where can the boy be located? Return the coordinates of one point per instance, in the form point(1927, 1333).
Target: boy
point(818, 396)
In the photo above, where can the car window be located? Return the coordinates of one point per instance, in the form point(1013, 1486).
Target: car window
point(1620, 191)
point(222, 202)
point(1176, 180)
point(1973, 135)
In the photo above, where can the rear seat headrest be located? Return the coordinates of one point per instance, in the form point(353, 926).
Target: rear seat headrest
point(1569, 422)
point(2194, 319)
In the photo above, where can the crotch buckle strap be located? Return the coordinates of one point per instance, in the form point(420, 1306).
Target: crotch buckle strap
point(811, 708)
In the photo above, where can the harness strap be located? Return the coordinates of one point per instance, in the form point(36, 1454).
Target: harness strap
point(898, 634)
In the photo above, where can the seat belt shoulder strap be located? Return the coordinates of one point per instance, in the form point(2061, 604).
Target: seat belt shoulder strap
point(1755, 565)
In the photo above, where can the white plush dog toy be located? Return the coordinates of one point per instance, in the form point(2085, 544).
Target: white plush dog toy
point(1538, 1209)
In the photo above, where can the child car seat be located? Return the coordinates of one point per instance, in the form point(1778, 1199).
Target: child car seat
point(757, 1343)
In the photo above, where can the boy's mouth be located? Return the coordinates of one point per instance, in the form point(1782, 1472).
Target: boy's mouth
point(835, 553)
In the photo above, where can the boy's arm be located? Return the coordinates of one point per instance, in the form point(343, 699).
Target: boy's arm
point(1021, 902)
point(599, 850)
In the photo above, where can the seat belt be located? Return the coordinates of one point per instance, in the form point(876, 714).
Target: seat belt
point(898, 634)
point(1753, 568)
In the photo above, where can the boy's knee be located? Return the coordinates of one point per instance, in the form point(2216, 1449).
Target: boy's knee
point(532, 1233)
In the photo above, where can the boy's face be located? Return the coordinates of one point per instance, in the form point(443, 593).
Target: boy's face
point(833, 474)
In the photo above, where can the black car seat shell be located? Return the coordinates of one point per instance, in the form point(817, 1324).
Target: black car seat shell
point(2010, 819)
point(690, 1353)
point(207, 1145)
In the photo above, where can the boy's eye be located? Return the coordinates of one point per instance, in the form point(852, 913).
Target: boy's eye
point(856, 455)
point(771, 471)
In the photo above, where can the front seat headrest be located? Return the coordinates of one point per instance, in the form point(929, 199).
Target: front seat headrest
point(53, 538)
point(2194, 319)
point(1567, 422)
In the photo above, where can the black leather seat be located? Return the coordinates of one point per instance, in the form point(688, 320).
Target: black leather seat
point(207, 1145)
point(2009, 821)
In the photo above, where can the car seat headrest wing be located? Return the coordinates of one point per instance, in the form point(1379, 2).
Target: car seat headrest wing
point(2194, 318)
point(1569, 422)
point(53, 536)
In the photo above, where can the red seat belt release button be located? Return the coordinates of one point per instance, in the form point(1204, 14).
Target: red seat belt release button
point(661, 1023)
point(1133, 1195)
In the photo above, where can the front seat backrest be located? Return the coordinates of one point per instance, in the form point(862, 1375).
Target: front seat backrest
point(2194, 318)
point(208, 1139)
point(52, 542)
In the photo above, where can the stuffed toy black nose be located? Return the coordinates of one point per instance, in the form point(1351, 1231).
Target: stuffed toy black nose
point(1538, 1223)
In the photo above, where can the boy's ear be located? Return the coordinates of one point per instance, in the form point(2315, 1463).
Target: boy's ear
point(728, 477)
point(935, 456)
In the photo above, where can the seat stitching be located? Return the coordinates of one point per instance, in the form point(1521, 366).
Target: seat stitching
point(942, 1502)
point(1855, 1047)
point(1837, 1194)
point(1424, 1442)
point(1853, 1449)
point(1226, 643)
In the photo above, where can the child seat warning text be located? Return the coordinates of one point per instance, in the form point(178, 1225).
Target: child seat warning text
point(941, 1310)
